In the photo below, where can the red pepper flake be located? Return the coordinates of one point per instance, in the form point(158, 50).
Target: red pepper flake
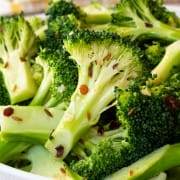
point(63, 171)
point(6, 64)
point(84, 89)
point(115, 66)
point(14, 88)
point(81, 141)
point(59, 151)
point(114, 125)
point(148, 25)
point(51, 135)
point(172, 102)
point(22, 59)
point(90, 70)
point(1, 29)
point(48, 112)
point(131, 111)
point(88, 116)
point(107, 57)
point(131, 172)
point(17, 118)
point(8, 111)
point(100, 131)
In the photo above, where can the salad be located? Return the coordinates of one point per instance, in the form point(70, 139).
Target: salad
point(92, 92)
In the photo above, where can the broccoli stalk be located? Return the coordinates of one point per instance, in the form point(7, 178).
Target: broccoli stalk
point(136, 19)
point(158, 161)
point(9, 150)
point(104, 62)
point(44, 164)
point(17, 44)
point(28, 124)
point(170, 60)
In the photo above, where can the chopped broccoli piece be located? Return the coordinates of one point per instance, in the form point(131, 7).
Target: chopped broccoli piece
point(156, 121)
point(170, 60)
point(94, 13)
point(160, 160)
point(38, 25)
point(136, 18)
point(29, 124)
point(104, 62)
point(17, 44)
point(44, 164)
point(59, 78)
point(9, 150)
point(154, 52)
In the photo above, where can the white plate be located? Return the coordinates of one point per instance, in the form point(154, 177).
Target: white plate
point(9, 173)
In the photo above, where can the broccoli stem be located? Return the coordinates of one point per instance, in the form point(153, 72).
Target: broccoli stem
point(150, 165)
point(8, 150)
point(170, 60)
point(29, 124)
point(75, 122)
point(42, 91)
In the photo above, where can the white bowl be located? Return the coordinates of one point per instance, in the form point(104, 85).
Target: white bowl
point(9, 173)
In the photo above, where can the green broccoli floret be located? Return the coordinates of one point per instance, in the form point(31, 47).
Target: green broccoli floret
point(94, 13)
point(17, 43)
point(147, 123)
point(104, 61)
point(59, 77)
point(154, 52)
point(38, 25)
point(163, 14)
point(136, 18)
point(4, 95)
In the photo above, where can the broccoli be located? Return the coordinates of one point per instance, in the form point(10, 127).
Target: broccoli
point(59, 77)
point(153, 52)
point(150, 165)
point(156, 116)
point(104, 62)
point(38, 25)
point(136, 18)
point(44, 164)
point(17, 44)
point(4, 95)
point(170, 60)
point(9, 150)
point(29, 124)
point(94, 13)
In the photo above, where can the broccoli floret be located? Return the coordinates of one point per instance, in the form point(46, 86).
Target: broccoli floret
point(113, 150)
point(4, 95)
point(38, 25)
point(59, 77)
point(163, 14)
point(136, 18)
point(17, 43)
point(150, 165)
point(94, 13)
point(154, 52)
point(29, 124)
point(104, 61)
